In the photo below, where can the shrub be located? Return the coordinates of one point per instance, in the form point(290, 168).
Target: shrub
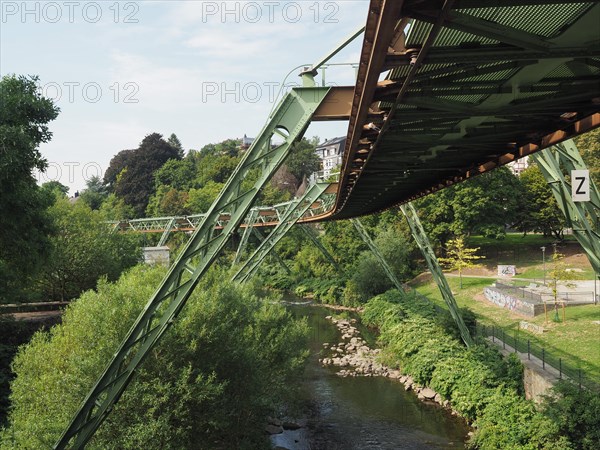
point(217, 373)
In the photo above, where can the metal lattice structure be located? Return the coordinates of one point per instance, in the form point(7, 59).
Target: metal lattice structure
point(556, 164)
point(422, 240)
point(287, 219)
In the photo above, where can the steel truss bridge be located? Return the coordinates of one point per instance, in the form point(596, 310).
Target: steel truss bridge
point(446, 90)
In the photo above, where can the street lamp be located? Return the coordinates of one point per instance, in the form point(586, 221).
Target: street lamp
point(544, 260)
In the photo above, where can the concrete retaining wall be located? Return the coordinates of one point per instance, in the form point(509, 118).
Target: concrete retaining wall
point(512, 303)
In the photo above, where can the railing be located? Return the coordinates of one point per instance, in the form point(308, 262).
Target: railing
point(519, 292)
point(534, 297)
point(565, 369)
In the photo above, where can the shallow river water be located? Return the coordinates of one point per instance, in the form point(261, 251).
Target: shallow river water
point(370, 413)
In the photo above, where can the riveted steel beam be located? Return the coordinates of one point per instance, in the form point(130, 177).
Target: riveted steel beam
point(436, 271)
point(292, 214)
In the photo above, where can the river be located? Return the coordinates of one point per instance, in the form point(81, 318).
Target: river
point(372, 413)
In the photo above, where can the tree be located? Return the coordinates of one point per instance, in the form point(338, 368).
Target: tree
point(54, 189)
point(589, 147)
point(24, 224)
point(82, 251)
point(178, 174)
point(176, 144)
point(303, 159)
point(540, 213)
point(558, 275)
point(485, 204)
point(459, 257)
point(199, 200)
point(132, 172)
point(95, 193)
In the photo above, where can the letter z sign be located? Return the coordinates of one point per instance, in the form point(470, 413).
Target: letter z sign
point(580, 185)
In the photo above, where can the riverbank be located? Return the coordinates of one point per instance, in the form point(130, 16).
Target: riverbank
point(361, 412)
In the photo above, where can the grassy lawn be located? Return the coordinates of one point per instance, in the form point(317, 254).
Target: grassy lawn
point(576, 341)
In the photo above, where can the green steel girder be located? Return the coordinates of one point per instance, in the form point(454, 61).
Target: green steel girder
point(289, 121)
point(274, 254)
point(250, 221)
point(582, 217)
point(287, 220)
point(386, 267)
point(423, 242)
point(165, 235)
point(315, 240)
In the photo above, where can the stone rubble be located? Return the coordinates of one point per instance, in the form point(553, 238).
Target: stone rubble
point(354, 358)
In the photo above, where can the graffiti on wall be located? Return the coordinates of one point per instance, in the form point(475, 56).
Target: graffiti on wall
point(500, 299)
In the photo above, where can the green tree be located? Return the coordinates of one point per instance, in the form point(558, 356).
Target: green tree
point(589, 147)
point(168, 201)
point(82, 251)
point(230, 361)
point(485, 204)
point(178, 174)
point(95, 193)
point(559, 275)
point(540, 213)
point(176, 144)
point(54, 189)
point(199, 200)
point(114, 208)
point(24, 223)
point(134, 179)
point(459, 257)
point(303, 159)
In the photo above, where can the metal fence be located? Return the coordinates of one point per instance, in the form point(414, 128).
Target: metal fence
point(520, 292)
point(566, 369)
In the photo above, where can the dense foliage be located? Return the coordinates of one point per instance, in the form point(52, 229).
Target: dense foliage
point(482, 386)
point(82, 250)
point(220, 370)
point(24, 224)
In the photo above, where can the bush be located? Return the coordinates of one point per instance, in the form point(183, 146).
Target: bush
point(217, 373)
point(479, 383)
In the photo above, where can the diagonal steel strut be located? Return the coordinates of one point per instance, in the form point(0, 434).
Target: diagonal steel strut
point(287, 220)
point(423, 242)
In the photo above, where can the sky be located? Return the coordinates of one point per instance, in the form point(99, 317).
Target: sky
point(204, 70)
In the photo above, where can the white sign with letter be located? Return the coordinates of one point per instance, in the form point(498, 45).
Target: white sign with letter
point(580, 185)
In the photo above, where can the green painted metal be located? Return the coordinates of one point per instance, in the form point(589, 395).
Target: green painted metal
point(165, 235)
point(582, 217)
point(289, 121)
point(250, 221)
point(274, 254)
point(287, 220)
point(315, 240)
point(436, 271)
point(386, 267)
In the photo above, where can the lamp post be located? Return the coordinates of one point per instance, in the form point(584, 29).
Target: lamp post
point(544, 260)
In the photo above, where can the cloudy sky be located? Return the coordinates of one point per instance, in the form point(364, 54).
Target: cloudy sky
point(204, 70)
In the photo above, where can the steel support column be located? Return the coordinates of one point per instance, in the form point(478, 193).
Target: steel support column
point(250, 221)
point(386, 267)
point(582, 217)
point(436, 271)
point(287, 220)
point(165, 235)
point(261, 238)
point(315, 240)
point(289, 121)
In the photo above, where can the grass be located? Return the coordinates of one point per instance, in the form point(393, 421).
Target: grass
point(576, 341)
